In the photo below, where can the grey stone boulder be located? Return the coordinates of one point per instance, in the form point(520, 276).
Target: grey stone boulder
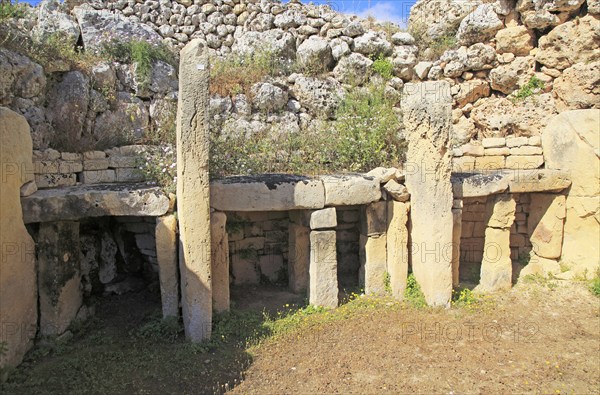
point(321, 97)
point(68, 104)
point(99, 27)
point(52, 21)
point(315, 52)
point(282, 44)
point(268, 97)
point(478, 26)
point(372, 43)
point(353, 69)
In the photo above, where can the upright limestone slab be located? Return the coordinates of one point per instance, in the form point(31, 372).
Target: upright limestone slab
point(166, 253)
point(299, 257)
point(397, 246)
point(193, 191)
point(323, 288)
point(427, 119)
point(571, 143)
point(496, 266)
point(373, 263)
point(456, 234)
point(18, 296)
point(59, 275)
point(219, 261)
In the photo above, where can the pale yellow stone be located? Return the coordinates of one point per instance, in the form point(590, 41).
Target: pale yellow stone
point(166, 254)
point(219, 262)
point(397, 246)
point(545, 224)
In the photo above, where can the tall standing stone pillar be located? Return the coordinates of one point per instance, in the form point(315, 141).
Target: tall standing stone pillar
point(298, 257)
point(427, 111)
point(220, 261)
point(456, 234)
point(193, 191)
point(18, 296)
point(496, 266)
point(323, 284)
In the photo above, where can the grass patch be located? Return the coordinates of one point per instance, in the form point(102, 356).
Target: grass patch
point(436, 45)
point(595, 284)
point(532, 87)
point(235, 74)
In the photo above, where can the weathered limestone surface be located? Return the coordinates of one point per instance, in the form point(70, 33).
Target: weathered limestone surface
point(571, 142)
point(349, 190)
point(373, 219)
point(465, 185)
point(427, 111)
point(166, 254)
point(397, 246)
point(73, 203)
point(545, 223)
point(539, 180)
point(373, 263)
point(59, 277)
point(456, 235)
point(272, 192)
point(193, 191)
point(496, 266)
point(323, 284)
point(18, 296)
point(220, 261)
point(323, 219)
point(299, 257)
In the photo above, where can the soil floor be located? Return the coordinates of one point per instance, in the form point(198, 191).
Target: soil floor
point(536, 338)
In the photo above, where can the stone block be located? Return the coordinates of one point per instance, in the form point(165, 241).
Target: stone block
point(299, 257)
point(373, 219)
point(397, 191)
point(47, 154)
point(472, 150)
point(545, 224)
point(28, 189)
point(71, 156)
point(524, 162)
point(349, 190)
point(383, 174)
point(123, 161)
point(166, 254)
point(526, 150)
point(478, 185)
point(323, 219)
point(493, 142)
point(98, 176)
point(397, 246)
point(463, 164)
point(535, 141)
point(373, 263)
point(45, 167)
point(516, 141)
point(66, 167)
point(59, 278)
point(503, 151)
point(350, 216)
point(129, 175)
point(488, 163)
point(219, 250)
point(496, 266)
point(95, 164)
point(500, 211)
point(55, 180)
point(539, 180)
point(267, 193)
point(456, 237)
point(467, 228)
point(92, 155)
point(323, 284)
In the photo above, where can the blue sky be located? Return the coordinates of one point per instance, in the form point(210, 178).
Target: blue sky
point(383, 10)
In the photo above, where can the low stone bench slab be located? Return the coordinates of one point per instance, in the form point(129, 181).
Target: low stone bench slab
point(76, 202)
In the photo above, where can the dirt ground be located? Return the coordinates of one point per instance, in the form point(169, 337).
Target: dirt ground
point(537, 338)
point(531, 340)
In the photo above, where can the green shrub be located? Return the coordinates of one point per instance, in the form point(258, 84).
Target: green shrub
point(413, 293)
point(533, 86)
point(10, 10)
point(159, 166)
point(383, 67)
point(164, 329)
point(595, 285)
